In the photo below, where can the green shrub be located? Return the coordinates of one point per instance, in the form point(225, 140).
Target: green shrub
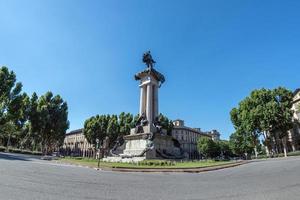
point(37, 153)
point(26, 152)
point(156, 163)
point(2, 148)
point(261, 156)
point(295, 153)
point(15, 150)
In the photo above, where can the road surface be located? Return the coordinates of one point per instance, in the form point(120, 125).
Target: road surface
point(24, 177)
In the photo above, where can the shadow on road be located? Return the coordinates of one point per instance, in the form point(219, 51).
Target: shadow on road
point(20, 157)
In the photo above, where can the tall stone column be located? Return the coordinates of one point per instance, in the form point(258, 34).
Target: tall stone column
point(155, 103)
point(142, 99)
point(149, 103)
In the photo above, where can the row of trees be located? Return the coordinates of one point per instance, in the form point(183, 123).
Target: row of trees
point(209, 148)
point(35, 123)
point(113, 126)
point(264, 114)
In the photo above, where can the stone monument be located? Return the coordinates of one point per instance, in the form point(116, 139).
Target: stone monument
point(147, 140)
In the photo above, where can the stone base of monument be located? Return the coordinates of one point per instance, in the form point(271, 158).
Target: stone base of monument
point(138, 147)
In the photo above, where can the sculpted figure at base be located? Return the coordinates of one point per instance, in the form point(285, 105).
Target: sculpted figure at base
point(119, 142)
point(157, 125)
point(142, 121)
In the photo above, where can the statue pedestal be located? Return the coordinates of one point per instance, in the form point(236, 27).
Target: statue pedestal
point(162, 146)
point(138, 145)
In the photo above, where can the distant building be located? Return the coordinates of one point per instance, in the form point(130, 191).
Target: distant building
point(215, 135)
point(76, 144)
point(188, 137)
point(294, 134)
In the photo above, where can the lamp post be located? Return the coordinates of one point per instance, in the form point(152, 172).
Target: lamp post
point(98, 151)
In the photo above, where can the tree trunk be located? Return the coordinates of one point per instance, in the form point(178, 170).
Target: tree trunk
point(255, 151)
point(8, 143)
point(293, 147)
point(272, 146)
point(266, 144)
point(284, 146)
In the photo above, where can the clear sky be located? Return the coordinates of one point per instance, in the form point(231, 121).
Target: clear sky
point(212, 53)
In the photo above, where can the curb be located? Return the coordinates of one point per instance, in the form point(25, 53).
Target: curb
point(151, 170)
point(180, 170)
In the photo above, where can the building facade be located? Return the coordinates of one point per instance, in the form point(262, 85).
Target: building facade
point(75, 144)
point(187, 137)
point(294, 134)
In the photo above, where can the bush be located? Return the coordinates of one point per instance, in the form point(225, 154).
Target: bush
point(26, 152)
point(295, 153)
point(261, 156)
point(157, 163)
point(2, 148)
point(37, 153)
point(15, 150)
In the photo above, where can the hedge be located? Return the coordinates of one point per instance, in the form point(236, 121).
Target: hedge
point(2, 149)
point(156, 163)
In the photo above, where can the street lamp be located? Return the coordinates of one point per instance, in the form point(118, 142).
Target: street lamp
point(98, 151)
point(97, 142)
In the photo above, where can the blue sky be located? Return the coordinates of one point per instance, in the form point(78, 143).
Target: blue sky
point(212, 53)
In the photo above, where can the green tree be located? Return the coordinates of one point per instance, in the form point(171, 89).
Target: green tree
point(208, 148)
point(126, 121)
point(13, 106)
point(113, 126)
point(166, 123)
point(265, 112)
point(274, 113)
point(224, 147)
point(96, 128)
point(34, 127)
point(113, 129)
point(245, 120)
point(49, 119)
point(241, 144)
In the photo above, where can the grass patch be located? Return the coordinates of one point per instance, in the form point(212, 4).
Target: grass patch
point(158, 164)
point(22, 151)
point(295, 153)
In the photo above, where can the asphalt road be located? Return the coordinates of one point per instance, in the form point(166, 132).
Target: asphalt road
point(28, 178)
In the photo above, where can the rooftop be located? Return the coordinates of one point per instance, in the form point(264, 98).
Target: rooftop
point(75, 131)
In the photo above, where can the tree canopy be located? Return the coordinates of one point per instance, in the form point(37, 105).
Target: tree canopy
point(113, 126)
point(13, 106)
point(265, 112)
point(166, 123)
point(100, 126)
point(208, 148)
point(30, 122)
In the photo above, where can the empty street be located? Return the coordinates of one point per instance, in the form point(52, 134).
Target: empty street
point(27, 178)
